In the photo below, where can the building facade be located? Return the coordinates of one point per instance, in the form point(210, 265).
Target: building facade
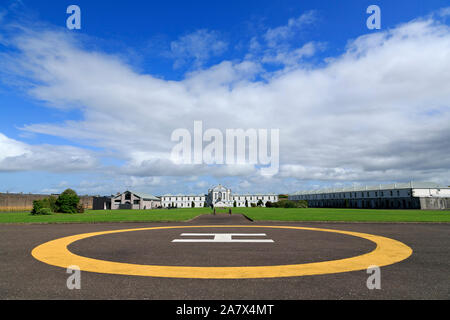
point(218, 196)
point(183, 201)
point(413, 195)
point(134, 200)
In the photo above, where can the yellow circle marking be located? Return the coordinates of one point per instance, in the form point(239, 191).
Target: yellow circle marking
point(388, 251)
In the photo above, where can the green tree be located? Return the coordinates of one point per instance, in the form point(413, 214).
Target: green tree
point(68, 202)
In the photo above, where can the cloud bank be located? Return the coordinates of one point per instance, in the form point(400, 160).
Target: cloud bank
point(378, 112)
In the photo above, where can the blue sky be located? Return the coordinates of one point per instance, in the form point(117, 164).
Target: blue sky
point(158, 66)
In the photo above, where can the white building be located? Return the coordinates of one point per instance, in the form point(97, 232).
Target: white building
point(413, 195)
point(180, 201)
point(218, 196)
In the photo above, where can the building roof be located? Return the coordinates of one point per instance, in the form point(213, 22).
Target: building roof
point(183, 195)
point(253, 194)
point(408, 185)
point(145, 196)
point(219, 188)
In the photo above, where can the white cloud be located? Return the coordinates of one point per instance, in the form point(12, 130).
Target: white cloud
point(275, 36)
point(197, 47)
point(275, 45)
point(18, 156)
point(444, 12)
point(292, 57)
point(378, 112)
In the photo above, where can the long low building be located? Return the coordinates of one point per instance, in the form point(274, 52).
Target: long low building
point(413, 195)
point(218, 196)
point(183, 201)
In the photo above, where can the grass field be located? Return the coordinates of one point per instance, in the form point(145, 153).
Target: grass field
point(93, 216)
point(257, 214)
point(356, 215)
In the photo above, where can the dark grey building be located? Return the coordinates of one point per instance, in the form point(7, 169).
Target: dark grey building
point(412, 195)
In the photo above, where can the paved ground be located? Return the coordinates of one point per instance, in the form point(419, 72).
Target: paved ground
point(425, 275)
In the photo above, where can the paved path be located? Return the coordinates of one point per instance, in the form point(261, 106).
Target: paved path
point(424, 275)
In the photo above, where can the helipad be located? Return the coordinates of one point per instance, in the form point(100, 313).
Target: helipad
point(388, 251)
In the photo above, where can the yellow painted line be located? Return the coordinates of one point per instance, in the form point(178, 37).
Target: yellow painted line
point(388, 251)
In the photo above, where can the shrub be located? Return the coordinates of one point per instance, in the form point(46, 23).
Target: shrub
point(37, 206)
point(44, 212)
point(269, 204)
point(253, 205)
point(52, 203)
point(40, 207)
point(68, 201)
point(288, 204)
point(260, 203)
point(302, 204)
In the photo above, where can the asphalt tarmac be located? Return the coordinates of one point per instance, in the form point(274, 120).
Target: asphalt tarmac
point(424, 275)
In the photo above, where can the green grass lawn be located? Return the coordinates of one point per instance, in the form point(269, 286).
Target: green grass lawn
point(362, 215)
point(257, 214)
point(94, 216)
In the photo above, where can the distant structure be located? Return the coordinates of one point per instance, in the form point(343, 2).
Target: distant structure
point(135, 200)
point(183, 201)
point(24, 202)
point(101, 203)
point(218, 196)
point(413, 195)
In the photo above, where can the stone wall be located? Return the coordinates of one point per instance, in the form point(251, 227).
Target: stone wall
point(24, 202)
